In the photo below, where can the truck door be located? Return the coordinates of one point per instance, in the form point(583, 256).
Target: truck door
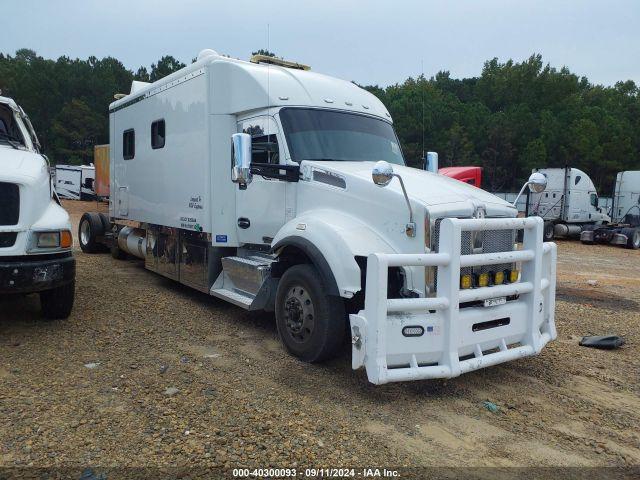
point(260, 208)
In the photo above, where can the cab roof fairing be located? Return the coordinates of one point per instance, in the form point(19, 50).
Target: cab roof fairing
point(250, 86)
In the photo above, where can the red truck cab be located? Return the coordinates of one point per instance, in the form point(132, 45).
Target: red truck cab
point(470, 175)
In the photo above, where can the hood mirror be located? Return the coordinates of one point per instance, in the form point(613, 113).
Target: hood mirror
point(382, 174)
point(537, 183)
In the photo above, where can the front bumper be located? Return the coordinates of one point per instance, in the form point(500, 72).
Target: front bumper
point(35, 273)
point(457, 340)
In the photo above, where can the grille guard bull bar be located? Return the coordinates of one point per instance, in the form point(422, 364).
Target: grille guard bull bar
point(450, 344)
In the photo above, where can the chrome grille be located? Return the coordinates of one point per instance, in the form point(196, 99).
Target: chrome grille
point(9, 203)
point(488, 241)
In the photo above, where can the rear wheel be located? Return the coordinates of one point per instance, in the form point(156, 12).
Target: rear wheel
point(57, 303)
point(633, 237)
point(88, 230)
point(106, 224)
point(311, 324)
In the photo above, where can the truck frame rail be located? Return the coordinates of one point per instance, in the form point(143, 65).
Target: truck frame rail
point(456, 331)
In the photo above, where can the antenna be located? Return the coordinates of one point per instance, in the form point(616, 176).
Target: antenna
point(268, 94)
point(422, 98)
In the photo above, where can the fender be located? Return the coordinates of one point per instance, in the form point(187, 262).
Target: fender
point(332, 240)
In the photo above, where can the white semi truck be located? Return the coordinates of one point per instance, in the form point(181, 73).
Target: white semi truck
point(35, 232)
point(570, 208)
point(279, 189)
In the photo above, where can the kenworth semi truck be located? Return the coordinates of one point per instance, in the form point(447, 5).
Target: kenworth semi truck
point(279, 189)
point(570, 208)
point(35, 232)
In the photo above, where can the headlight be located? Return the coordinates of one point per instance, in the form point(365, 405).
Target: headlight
point(48, 239)
point(51, 240)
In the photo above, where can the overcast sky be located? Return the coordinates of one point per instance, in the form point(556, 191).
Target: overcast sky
point(370, 42)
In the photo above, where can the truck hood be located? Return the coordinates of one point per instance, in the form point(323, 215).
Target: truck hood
point(424, 187)
point(20, 164)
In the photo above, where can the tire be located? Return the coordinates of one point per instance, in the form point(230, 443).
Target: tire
point(547, 233)
point(57, 303)
point(321, 332)
point(633, 238)
point(106, 224)
point(89, 228)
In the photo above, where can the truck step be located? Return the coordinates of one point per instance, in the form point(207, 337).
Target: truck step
point(245, 275)
point(234, 297)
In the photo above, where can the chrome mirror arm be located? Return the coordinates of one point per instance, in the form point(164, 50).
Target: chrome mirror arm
point(410, 228)
point(515, 202)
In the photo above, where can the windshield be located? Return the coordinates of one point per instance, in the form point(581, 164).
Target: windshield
point(314, 134)
point(9, 129)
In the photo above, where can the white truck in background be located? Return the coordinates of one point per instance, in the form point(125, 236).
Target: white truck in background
point(279, 189)
point(35, 232)
point(570, 208)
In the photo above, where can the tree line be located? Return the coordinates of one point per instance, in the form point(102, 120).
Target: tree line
point(510, 119)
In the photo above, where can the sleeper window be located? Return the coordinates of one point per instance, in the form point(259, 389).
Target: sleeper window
point(128, 144)
point(264, 149)
point(157, 134)
point(264, 139)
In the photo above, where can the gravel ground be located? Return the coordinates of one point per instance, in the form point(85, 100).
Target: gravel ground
point(147, 372)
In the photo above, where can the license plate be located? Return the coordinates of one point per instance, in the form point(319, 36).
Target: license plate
point(47, 273)
point(492, 302)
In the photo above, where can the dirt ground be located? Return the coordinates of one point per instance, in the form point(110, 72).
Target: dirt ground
point(147, 372)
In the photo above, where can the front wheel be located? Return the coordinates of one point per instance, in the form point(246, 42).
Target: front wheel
point(311, 324)
point(57, 303)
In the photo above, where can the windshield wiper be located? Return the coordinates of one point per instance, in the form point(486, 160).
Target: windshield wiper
point(11, 140)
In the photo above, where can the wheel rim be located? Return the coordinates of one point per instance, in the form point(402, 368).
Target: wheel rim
point(85, 232)
point(636, 239)
point(299, 314)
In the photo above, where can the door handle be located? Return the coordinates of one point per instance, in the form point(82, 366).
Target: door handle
point(244, 223)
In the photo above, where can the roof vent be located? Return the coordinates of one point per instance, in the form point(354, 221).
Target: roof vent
point(207, 52)
point(137, 85)
point(281, 62)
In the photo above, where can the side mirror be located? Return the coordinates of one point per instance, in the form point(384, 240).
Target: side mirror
point(537, 182)
point(382, 173)
point(431, 162)
point(241, 159)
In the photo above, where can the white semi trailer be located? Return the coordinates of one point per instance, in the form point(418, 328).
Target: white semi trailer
point(75, 182)
point(279, 189)
point(570, 208)
point(35, 232)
